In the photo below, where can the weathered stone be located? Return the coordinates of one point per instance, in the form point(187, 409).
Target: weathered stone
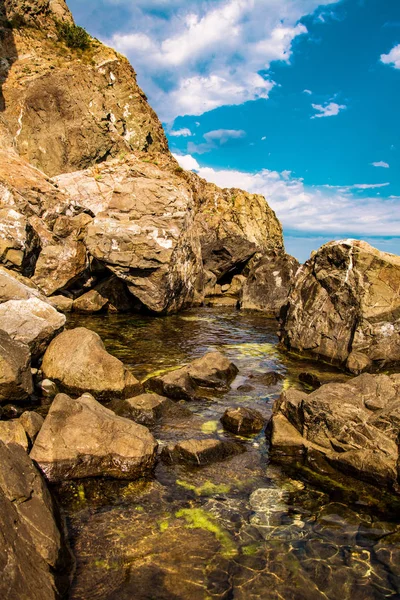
point(32, 423)
point(213, 371)
point(269, 379)
point(61, 303)
point(200, 452)
point(32, 322)
point(15, 370)
point(13, 432)
point(243, 421)
point(78, 362)
point(14, 286)
point(267, 285)
point(59, 266)
point(111, 295)
point(48, 388)
point(19, 246)
point(353, 426)
point(344, 307)
point(91, 302)
point(147, 409)
point(310, 379)
point(95, 442)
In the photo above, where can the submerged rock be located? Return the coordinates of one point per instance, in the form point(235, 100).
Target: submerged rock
point(15, 370)
point(344, 307)
point(77, 362)
point(147, 409)
point(243, 421)
point(200, 452)
point(354, 427)
point(81, 438)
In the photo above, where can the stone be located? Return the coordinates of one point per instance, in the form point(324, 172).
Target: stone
point(19, 245)
point(13, 432)
point(310, 379)
point(81, 438)
point(77, 362)
point(32, 546)
point(32, 423)
point(91, 302)
point(14, 286)
point(48, 388)
point(243, 421)
point(267, 286)
point(211, 372)
point(200, 452)
point(15, 370)
point(344, 307)
point(111, 295)
point(269, 379)
point(61, 303)
point(32, 322)
point(353, 427)
point(59, 266)
point(147, 409)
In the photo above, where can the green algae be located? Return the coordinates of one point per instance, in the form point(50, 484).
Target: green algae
point(159, 372)
point(209, 427)
point(163, 525)
point(250, 550)
point(197, 518)
point(207, 489)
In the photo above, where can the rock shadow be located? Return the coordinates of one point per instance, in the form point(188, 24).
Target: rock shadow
point(9, 21)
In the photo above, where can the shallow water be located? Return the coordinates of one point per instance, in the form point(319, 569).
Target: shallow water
point(240, 529)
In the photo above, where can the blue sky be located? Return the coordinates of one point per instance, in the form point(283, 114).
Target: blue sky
point(294, 99)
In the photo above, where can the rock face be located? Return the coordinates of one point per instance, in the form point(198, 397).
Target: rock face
point(267, 285)
point(352, 427)
point(15, 370)
point(32, 322)
point(213, 372)
point(34, 561)
point(77, 362)
point(344, 307)
point(80, 438)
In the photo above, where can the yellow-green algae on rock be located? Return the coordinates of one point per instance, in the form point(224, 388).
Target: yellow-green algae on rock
point(197, 518)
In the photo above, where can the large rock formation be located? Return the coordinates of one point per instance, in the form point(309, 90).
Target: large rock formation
point(80, 438)
point(344, 307)
point(353, 427)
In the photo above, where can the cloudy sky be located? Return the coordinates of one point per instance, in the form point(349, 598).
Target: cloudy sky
point(294, 99)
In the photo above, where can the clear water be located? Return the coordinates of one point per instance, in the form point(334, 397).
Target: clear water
point(240, 529)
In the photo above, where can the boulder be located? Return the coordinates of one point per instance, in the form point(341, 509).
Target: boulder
point(147, 409)
point(14, 286)
point(344, 307)
point(59, 266)
point(91, 302)
point(354, 427)
point(200, 452)
point(111, 295)
point(61, 303)
point(35, 561)
point(77, 362)
point(13, 432)
point(267, 286)
point(19, 245)
point(15, 370)
point(32, 423)
point(32, 322)
point(243, 421)
point(211, 372)
point(81, 438)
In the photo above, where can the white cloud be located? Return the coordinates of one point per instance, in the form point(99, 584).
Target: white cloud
point(393, 58)
point(187, 162)
point(329, 109)
point(311, 209)
point(185, 132)
point(209, 54)
point(382, 164)
point(309, 92)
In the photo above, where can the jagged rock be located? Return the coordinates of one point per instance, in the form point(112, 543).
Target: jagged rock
point(59, 266)
point(61, 303)
point(213, 371)
point(243, 421)
point(267, 286)
point(15, 370)
point(32, 423)
point(200, 452)
point(353, 427)
point(13, 432)
point(32, 322)
point(78, 362)
point(14, 286)
point(81, 438)
point(345, 300)
point(147, 409)
point(33, 553)
point(19, 245)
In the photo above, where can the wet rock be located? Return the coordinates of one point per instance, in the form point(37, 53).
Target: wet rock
point(33, 548)
point(200, 452)
point(267, 285)
point(61, 303)
point(243, 421)
point(310, 379)
point(32, 423)
point(213, 371)
point(12, 432)
point(344, 307)
point(147, 409)
point(268, 379)
point(77, 362)
point(353, 427)
point(95, 442)
point(15, 370)
point(222, 301)
point(32, 322)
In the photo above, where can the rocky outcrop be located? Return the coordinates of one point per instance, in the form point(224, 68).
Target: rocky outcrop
point(351, 427)
point(211, 372)
point(15, 370)
point(81, 438)
point(32, 322)
point(267, 285)
point(344, 307)
point(78, 362)
point(34, 560)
